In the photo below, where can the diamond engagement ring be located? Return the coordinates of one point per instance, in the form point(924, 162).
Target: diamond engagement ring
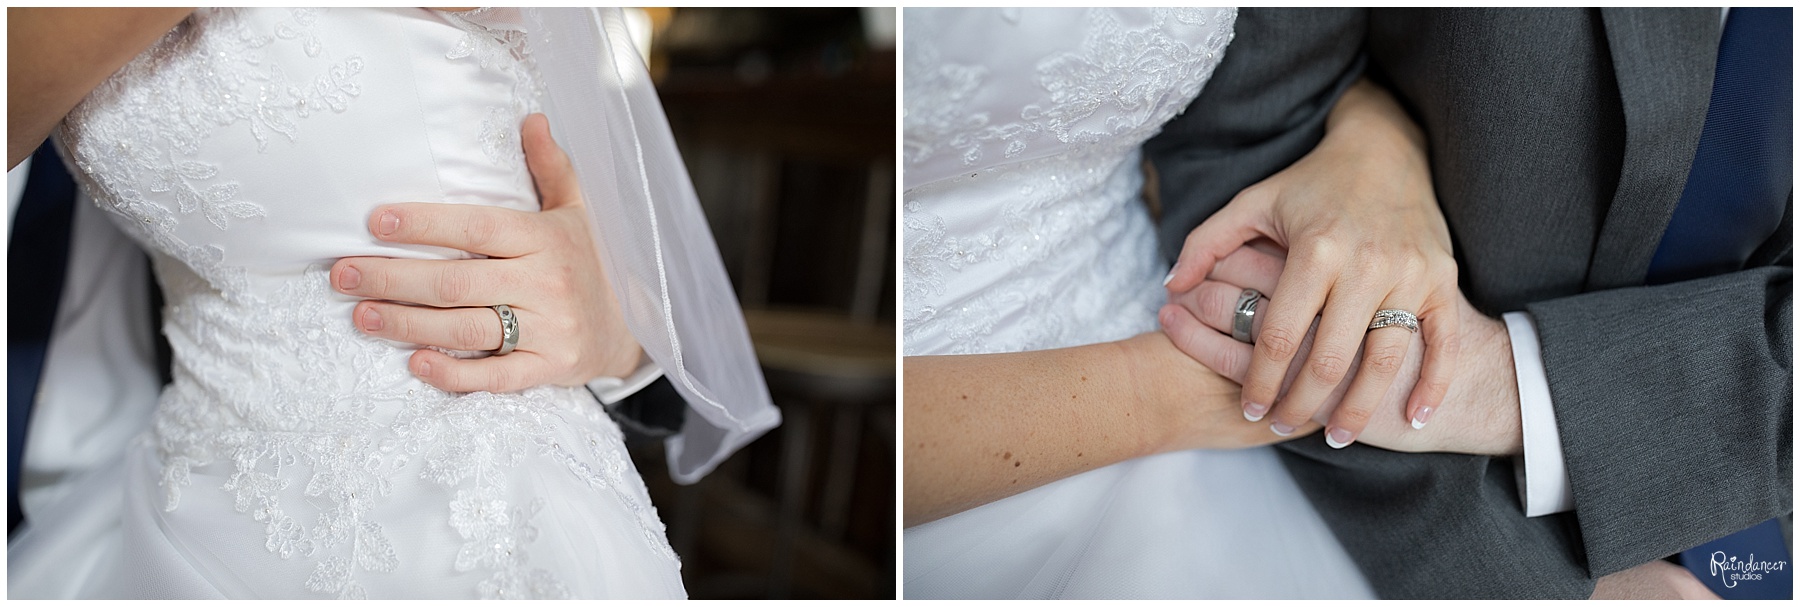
point(509, 330)
point(1244, 315)
point(1395, 318)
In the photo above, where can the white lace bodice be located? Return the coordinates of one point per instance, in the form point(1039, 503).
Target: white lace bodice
point(246, 150)
point(1025, 230)
point(1024, 225)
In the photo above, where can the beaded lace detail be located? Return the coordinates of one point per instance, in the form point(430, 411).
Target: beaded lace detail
point(133, 139)
point(311, 422)
point(1062, 252)
point(502, 49)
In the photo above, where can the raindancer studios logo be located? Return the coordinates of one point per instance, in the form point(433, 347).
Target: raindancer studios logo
point(1732, 571)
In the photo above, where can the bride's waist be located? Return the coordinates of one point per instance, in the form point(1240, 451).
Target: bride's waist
point(335, 406)
point(285, 358)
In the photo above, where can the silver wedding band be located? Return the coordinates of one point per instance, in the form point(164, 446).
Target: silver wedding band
point(1395, 318)
point(1244, 316)
point(509, 330)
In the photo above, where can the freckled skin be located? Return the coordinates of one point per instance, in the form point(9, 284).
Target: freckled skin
point(967, 405)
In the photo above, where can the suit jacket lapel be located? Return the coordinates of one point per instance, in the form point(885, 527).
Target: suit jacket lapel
point(1665, 73)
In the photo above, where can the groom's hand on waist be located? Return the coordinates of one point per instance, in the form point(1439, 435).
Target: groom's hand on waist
point(542, 265)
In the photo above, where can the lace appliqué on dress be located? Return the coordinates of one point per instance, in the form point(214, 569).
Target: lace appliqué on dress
point(132, 140)
point(1063, 238)
point(310, 422)
point(494, 46)
point(334, 443)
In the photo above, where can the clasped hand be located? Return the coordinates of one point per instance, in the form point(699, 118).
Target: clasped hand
point(1351, 228)
point(543, 265)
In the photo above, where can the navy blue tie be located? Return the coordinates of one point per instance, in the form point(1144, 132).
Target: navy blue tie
point(1737, 190)
point(1743, 169)
point(36, 257)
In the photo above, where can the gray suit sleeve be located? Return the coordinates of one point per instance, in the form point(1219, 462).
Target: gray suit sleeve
point(1675, 408)
point(1264, 108)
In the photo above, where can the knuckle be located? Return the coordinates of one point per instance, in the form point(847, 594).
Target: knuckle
point(1412, 266)
point(1372, 258)
point(469, 334)
point(1371, 250)
point(560, 281)
point(1433, 389)
point(1216, 301)
point(566, 234)
point(1230, 358)
point(1385, 361)
point(501, 378)
point(376, 283)
point(567, 325)
point(480, 232)
point(1328, 366)
point(1352, 417)
point(1443, 273)
point(1277, 343)
point(453, 285)
point(1449, 347)
point(565, 360)
point(1320, 248)
point(399, 324)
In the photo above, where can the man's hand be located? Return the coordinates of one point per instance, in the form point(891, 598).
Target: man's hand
point(1655, 580)
point(1484, 414)
point(543, 265)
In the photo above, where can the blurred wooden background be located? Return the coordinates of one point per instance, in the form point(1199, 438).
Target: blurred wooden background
point(785, 118)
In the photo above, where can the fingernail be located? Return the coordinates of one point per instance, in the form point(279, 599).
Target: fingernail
point(424, 368)
point(1254, 412)
point(349, 278)
point(1169, 277)
point(1338, 438)
point(1281, 429)
point(389, 223)
point(1419, 419)
point(371, 320)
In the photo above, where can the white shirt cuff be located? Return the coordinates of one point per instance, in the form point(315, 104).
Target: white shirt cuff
point(1543, 478)
point(613, 389)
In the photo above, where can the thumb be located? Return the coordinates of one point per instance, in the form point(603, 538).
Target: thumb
point(550, 168)
point(1240, 221)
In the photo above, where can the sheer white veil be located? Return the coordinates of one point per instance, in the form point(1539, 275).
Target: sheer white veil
point(650, 230)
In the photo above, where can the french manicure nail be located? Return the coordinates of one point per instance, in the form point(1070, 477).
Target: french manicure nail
point(349, 278)
point(371, 320)
point(1169, 277)
point(1338, 438)
point(389, 223)
point(1254, 412)
point(1419, 419)
point(1281, 429)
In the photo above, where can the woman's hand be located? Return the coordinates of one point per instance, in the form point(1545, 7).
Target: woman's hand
point(1364, 233)
point(1486, 420)
point(543, 265)
point(981, 427)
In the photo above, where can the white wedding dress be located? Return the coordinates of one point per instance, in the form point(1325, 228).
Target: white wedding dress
point(1025, 230)
point(294, 456)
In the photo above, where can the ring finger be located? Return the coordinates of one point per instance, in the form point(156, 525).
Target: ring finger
point(1384, 355)
point(472, 329)
point(1334, 349)
point(1214, 304)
